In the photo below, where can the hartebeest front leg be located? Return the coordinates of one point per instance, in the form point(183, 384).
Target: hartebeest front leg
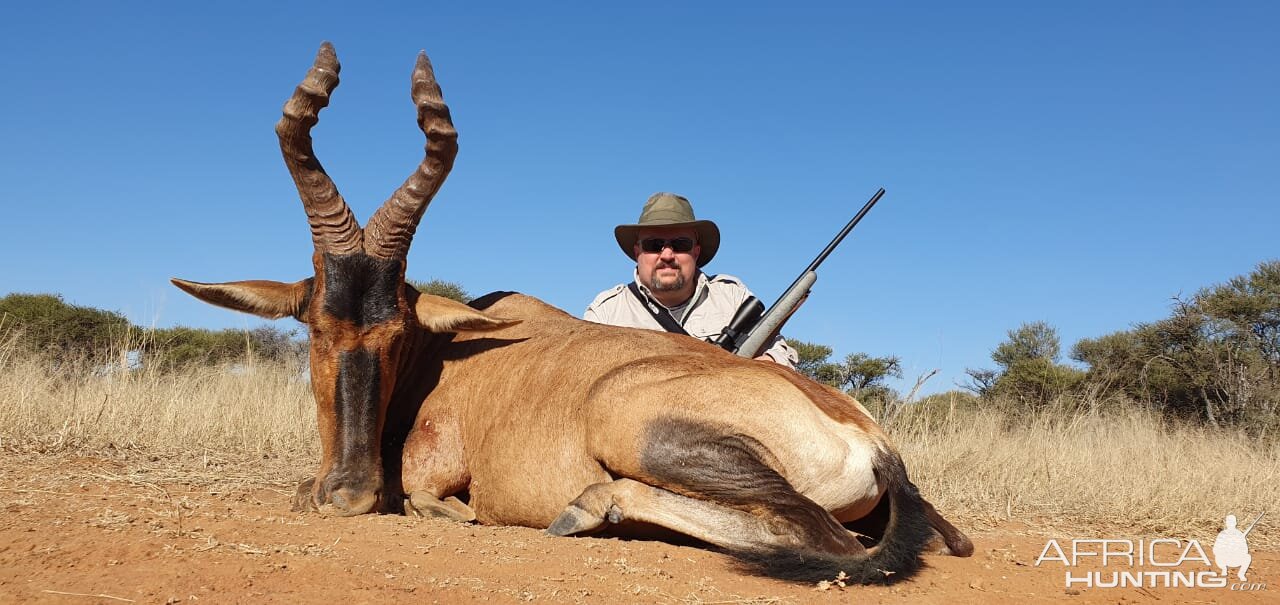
point(432, 466)
point(422, 504)
point(303, 499)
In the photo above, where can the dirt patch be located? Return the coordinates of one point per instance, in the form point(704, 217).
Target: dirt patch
point(87, 529)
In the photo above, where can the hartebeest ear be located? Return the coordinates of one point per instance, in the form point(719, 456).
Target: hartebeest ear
point(270, 299)
point(439, 314)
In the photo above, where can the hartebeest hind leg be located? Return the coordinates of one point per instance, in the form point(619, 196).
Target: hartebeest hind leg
point(714, 487)
point(808, 526)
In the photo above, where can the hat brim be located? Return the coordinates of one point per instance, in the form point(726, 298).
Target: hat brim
point(708, 237)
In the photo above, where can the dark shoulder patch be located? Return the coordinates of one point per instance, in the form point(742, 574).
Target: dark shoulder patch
point(488, 300)
point(360, 288)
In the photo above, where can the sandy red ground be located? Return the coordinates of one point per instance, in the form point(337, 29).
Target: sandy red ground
point(79, 529)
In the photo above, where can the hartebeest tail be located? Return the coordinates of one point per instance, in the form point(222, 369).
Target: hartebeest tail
point(894, 558)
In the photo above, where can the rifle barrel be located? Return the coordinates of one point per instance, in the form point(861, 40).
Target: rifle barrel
point(1255, 522)
point(781, 309)
point(813, 266)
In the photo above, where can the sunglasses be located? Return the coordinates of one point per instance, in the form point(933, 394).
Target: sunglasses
point(656, 244)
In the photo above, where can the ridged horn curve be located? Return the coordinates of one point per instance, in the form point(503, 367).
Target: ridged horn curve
point(390, 230)
point(333, 226)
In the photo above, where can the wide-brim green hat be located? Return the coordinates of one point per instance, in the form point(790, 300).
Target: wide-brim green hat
point(670, 210)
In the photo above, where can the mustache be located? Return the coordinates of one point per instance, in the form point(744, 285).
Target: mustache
point(667, 265)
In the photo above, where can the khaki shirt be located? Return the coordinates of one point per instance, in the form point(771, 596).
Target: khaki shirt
point(714, 302)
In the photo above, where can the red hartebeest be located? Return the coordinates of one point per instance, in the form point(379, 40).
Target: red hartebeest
point(537, 418)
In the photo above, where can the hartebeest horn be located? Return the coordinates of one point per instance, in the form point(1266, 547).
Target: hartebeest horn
point(390, 230)
point(333, 227)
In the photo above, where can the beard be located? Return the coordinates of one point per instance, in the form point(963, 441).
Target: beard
point(670, 286)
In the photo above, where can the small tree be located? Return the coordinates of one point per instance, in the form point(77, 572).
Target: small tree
point(860, 374)
point(866, 374)
point(1033, 340)
point(274, 344)
point(1247, 310)
point(1029, 372)
point(815, 362)
point(982, 381)
point(443, 288)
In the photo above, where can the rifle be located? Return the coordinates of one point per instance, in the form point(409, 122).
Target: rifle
point(1255, 522)
point(752, 327)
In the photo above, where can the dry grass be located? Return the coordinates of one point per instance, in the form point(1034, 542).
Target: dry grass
point(1127, 471)
point(250, 409)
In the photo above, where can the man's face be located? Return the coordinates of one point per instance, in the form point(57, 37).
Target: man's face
point(667, 270)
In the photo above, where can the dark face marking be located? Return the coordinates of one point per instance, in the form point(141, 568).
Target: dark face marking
point(360, 288)
point(356, 405)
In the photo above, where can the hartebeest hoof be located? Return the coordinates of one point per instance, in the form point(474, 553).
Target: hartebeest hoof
point(597, 505)
point(302, 500)
point(345, 502)
point(576, 521)
point(956, 543)
point(425, 505)
point(342, 502)
point(938, 546)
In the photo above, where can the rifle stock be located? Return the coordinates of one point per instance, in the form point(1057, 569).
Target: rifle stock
point(771, 322)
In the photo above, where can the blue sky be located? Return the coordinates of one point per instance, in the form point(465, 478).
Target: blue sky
point(1073, 162)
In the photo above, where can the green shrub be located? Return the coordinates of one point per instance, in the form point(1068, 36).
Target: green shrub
point(1215, 358)
point(443, 288)
point(47, 324)
point(178, 347)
